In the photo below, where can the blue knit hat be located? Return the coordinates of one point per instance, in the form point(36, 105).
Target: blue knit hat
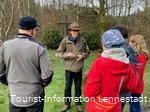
point(112, 38)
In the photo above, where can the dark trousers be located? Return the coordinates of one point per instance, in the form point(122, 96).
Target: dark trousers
point(38, 107)
point(69, 77)
point(125, 95)
point(135, 105)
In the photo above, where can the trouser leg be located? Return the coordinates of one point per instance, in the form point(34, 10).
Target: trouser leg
point(39, 106)
point(67, 92)
point(126, 96)
point(78, 81)
point(134, 104)
point(13, 108)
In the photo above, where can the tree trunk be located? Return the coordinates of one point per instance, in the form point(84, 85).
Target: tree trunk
point(130, 2)
point(24, 9)
point(146, 5)
point(120, 8)
point(77, 14)
point(129, 7)
point(11, 19)
point(126, 6)
point(28, 7)
point(20, 13)
point(107, 11)
point(1, 20)
point(102, 17)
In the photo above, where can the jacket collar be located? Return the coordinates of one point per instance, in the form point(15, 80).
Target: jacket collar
point(23, 35)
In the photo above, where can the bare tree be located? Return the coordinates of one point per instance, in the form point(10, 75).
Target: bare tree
point(121, 7)
point(144, 4)
point(24, 7)
point(102, 13)
point(6, 18)
point(28, 7)
point(9, 8)
point(130, 2)
point(11, 19)
point(1, 17)
point(102, 16)
point(20, 13)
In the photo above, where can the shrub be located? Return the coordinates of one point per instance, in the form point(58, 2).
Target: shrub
point(52, 39)
point(91, 39)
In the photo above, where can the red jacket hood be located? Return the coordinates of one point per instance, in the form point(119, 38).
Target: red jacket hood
point(105, 75)
point(114, 67)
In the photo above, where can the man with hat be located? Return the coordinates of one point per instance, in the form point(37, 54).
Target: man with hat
point(73, 49)
point(25, 68)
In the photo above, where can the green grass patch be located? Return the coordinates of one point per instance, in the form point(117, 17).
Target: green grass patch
point(58, 84)
point(4, 102)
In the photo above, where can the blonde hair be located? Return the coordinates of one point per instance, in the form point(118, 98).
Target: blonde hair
point(139, 44)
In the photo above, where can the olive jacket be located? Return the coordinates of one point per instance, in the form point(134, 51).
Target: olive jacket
point(67, 46)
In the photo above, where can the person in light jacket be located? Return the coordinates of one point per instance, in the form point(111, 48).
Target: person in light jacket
point(25, 68)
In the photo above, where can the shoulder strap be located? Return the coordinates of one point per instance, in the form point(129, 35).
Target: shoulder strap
point(131, 54)
point(126, 49)
point(122, 78)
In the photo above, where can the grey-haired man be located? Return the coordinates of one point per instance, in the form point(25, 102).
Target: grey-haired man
point(25, 67)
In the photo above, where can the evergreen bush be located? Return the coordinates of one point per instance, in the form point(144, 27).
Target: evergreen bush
point(52, 39)
point(92, 41)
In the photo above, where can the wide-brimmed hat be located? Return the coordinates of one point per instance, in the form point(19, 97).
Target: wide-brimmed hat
point(74, 26)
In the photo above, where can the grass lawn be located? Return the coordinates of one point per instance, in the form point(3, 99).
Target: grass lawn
point(57, 86)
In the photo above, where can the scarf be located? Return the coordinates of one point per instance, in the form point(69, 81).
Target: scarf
point(75, 40)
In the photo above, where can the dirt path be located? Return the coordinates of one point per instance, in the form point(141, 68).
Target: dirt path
point(146, 108)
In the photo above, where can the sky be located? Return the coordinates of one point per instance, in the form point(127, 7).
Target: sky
point(134, 8)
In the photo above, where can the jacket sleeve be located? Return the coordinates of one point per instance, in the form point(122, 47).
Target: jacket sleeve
point(132, 81)
point(2, 68)
point(61, 51)
point(46, 69)
point(86, 51)
point(92, 87)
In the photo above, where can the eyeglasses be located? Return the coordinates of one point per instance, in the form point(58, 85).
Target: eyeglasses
point(36, 29)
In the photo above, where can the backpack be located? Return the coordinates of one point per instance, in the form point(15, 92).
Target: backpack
point(136, 66)
point(131, 54)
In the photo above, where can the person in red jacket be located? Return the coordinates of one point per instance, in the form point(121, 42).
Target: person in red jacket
point(139, 44)
point(106, 72)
